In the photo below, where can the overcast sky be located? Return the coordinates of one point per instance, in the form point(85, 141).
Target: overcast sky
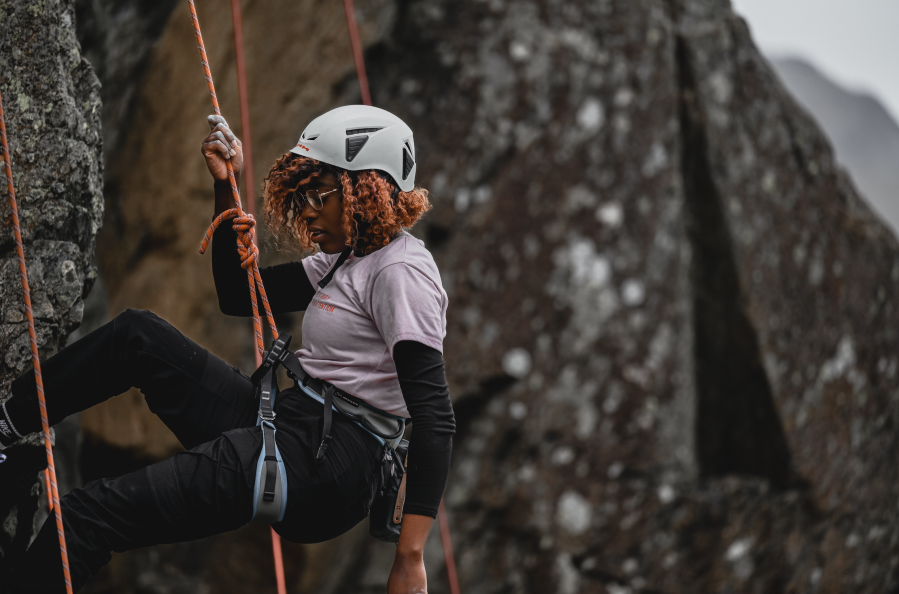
point(853, 42)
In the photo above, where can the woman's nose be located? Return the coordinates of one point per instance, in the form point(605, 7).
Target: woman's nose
point(308, 213)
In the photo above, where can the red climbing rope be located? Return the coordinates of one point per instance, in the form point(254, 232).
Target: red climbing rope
point(53, 494)
point(447, 543)
point(445, 540)
point(244, 224)
point(244, 95)
point(357, 51)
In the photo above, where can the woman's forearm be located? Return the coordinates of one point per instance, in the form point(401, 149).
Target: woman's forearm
point(224, 196)
point(413, 535)
point(408, 575)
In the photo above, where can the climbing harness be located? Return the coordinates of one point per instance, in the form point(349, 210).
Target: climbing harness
point(269, 492)
point(53, 492)
point(270, 488)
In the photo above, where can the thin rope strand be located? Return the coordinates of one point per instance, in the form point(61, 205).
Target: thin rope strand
point(53, 494)
point(447, 543)
point(356, 44)
point(244, 95)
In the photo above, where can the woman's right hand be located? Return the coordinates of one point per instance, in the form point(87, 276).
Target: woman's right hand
point(221, 146)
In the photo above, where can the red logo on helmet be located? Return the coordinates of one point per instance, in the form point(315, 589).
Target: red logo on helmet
point(303, 147)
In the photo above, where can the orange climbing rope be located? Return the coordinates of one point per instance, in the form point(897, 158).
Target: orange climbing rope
point(244, 95)
point(244, 225)
point(53, 493)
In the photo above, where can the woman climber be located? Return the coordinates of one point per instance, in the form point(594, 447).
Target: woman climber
point(372, 338)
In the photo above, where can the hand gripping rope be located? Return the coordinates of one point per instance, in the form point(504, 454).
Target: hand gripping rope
point(244, 225)
point(53, 492)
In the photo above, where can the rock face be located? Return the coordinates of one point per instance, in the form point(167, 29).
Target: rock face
point(52, 107)
point(671, 342)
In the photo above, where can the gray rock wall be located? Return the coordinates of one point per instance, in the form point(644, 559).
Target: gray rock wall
point(52, 107)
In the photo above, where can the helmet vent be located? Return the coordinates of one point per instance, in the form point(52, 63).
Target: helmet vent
point(354, 145)
point(361, 131)
point(311, 138)
point(408, 163)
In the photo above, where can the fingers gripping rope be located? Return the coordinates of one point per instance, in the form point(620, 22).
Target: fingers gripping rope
point(53, 493)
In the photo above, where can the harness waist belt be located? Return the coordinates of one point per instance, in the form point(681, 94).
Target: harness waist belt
point(383, 424)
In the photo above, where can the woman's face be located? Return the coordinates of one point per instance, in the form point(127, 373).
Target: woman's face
point(324, 226)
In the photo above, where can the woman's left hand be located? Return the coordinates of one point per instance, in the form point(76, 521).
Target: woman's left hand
point(407, 575)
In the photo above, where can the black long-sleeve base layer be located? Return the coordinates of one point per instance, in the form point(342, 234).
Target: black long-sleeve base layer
point(420, 368)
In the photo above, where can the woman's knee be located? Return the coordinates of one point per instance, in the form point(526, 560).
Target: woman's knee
point(135, 322)
point(142, 330)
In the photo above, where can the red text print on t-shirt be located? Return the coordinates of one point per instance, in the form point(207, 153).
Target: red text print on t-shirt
point(318, 302)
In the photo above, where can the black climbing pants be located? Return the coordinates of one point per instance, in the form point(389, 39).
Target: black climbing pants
point(206, 490)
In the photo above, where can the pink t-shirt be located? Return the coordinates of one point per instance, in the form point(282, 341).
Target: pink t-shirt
point(372, 303)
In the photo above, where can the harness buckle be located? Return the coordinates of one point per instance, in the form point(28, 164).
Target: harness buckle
point(323, 448)
point(265, 417)
point(276, 353)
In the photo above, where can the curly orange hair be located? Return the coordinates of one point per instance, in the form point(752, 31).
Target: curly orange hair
point(371, 216)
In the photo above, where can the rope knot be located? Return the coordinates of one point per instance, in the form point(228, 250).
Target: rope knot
point(245, 225)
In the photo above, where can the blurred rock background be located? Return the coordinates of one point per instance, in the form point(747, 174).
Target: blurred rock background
point(671, 340)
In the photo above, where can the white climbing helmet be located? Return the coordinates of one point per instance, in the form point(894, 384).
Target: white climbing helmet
point(360, 137)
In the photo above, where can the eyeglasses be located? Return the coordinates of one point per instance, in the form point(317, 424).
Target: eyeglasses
point(316, 198)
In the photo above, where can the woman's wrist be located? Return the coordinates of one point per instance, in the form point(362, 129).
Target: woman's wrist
point(413, 536)
point(224, 196)
point(410, 553)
